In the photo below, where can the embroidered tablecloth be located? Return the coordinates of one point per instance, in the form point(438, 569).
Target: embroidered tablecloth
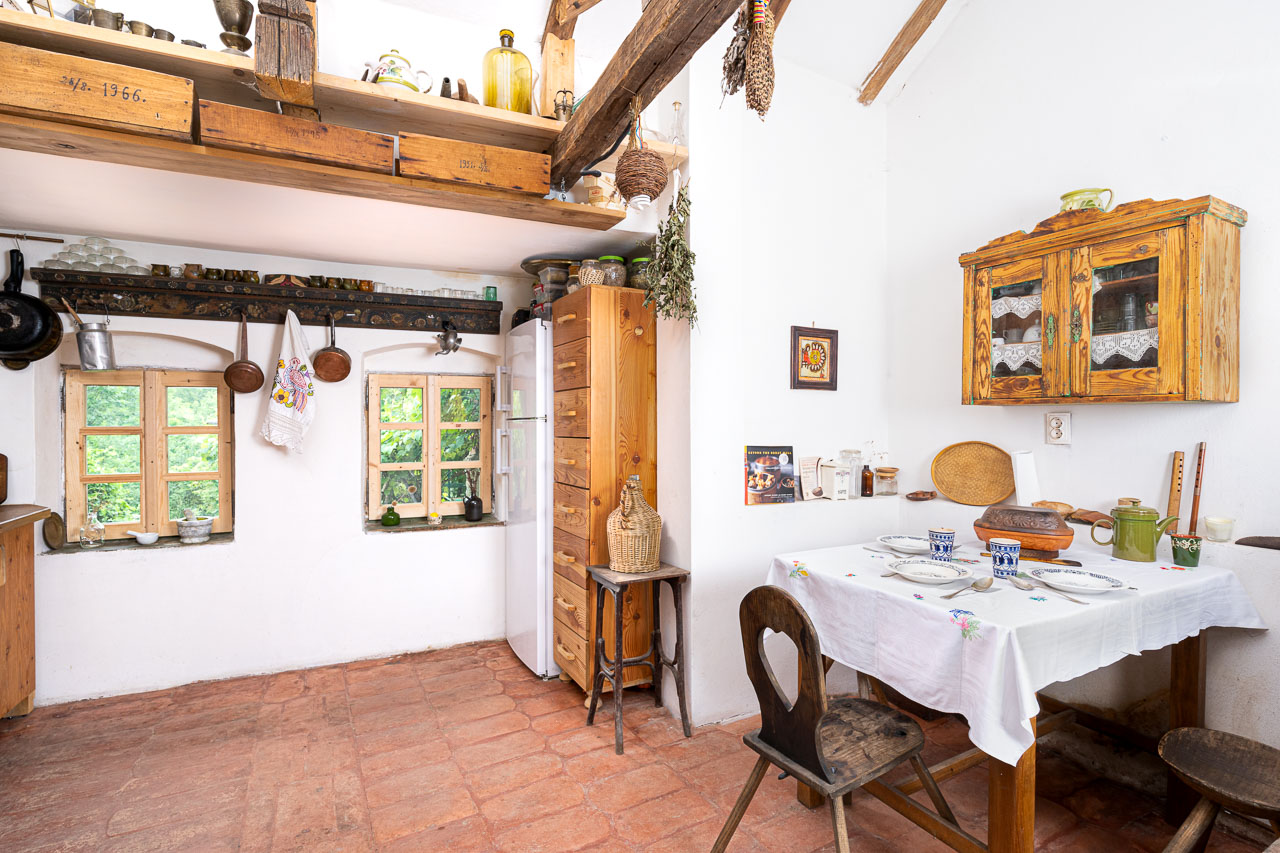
point(984, 655)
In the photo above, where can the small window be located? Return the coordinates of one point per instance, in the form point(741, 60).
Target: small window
point(429, 443)
point(142, 446)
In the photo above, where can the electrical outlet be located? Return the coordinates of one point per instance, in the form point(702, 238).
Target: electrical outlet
point(1057, 428)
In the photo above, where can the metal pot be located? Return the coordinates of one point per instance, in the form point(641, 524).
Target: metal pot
point(29, 329)
point(96, 349)
point(332, 363)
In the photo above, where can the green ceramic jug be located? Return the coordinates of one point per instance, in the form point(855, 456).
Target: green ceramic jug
point(1136, 534)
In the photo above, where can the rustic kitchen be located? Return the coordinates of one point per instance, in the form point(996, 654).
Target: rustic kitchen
point(638, 425)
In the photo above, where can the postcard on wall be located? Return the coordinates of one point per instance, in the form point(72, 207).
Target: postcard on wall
point(769, 471)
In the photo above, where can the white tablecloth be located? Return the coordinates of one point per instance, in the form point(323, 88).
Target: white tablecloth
point(984, 655)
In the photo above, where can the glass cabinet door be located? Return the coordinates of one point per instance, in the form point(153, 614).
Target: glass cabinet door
point(1014, 334)
point(1126, 318)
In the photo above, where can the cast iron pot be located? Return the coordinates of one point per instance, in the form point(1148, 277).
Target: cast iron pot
point(29, 329)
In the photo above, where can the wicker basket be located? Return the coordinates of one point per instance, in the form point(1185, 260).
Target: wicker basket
point(635, 532)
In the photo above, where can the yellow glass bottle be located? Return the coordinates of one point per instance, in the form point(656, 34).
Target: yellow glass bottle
point(508, 77)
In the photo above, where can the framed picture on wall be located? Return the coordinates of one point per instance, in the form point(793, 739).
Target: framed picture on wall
point(813, 358)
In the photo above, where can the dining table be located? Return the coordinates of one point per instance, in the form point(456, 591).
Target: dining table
point(984, 655)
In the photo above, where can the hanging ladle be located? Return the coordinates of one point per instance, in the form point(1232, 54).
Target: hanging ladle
point(242, 375)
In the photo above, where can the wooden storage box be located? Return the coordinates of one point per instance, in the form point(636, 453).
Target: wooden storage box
point(259, 132)
point(472, 163)
point(72, 89)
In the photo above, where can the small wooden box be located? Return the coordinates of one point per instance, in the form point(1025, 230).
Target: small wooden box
point(72, 89)
point(241, 129)
point(473, 163)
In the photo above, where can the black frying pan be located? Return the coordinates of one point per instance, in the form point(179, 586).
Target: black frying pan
point(29, 329)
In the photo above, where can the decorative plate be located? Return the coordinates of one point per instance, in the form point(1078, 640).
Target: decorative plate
point(1077, 580)
point(921, 570)
point(905, 544)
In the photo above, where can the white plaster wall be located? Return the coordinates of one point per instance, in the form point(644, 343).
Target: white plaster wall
point(302, 583)
point(784, 236)
point(1019, 103)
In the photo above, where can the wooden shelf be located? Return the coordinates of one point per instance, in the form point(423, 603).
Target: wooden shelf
point(107, 146)
point(199, 299)
point(230, 79)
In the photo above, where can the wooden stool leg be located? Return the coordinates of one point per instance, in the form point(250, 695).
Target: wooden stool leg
point(618, 669)
point(837, 824)
point(677, 598)
point(931, 788)
point(1194, 831)
point(597, 683)
point(656, 639)
point(740, 807)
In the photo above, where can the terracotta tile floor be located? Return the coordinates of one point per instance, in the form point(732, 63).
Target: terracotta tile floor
point(459, 749)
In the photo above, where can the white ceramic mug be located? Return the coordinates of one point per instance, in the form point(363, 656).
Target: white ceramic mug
point(1218, 528)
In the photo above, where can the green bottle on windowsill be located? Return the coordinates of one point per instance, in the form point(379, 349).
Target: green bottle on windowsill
point(390, 518)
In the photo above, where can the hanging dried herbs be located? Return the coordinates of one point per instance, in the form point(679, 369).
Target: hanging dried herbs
point(735, 58)
point(760, 59)
point(670, 285)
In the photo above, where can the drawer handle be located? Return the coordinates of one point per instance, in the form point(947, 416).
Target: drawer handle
point(567, 510)
point(566, 605)
point(572, 413)
point(568, 655)
point(562, 557)
point(566, 365)
point(566, 318)
point(567, 461)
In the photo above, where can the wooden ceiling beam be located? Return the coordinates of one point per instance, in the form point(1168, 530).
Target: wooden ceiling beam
point(562, 17)
point(906, 39)
point(667, 35)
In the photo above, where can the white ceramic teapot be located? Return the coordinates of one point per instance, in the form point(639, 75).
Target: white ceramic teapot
point(392, 69)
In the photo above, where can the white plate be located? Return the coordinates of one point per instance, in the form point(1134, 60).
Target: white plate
point(1077, 580)
point(921, 570)
point(905, 544)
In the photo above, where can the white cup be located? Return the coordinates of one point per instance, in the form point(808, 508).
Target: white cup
point(1218, 528)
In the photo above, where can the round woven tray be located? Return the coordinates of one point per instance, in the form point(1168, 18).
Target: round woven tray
point(973, 473)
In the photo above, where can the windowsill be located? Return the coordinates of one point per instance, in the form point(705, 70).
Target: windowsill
point(448, 522)
point(163, 542)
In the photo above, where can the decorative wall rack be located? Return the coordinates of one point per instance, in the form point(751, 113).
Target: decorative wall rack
point(188, 299)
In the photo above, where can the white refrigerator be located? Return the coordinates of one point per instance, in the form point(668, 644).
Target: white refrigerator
point(524, 441)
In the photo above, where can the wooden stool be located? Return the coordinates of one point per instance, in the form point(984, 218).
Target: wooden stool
point(1229, 772)
point(654, 658)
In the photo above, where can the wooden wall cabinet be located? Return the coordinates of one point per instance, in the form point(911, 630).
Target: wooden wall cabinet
point(604, 367)
point(17, 607)
point(1139, 304)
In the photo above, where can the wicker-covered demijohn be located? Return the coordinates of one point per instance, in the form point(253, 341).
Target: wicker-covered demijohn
point(635, 531)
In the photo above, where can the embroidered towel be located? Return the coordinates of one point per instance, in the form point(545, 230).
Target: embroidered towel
point(292, 407)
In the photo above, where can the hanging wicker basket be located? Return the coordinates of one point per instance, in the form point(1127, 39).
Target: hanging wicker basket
point(641, 171)
point(635, 532)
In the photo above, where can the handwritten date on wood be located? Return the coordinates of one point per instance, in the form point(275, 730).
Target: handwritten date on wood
point(109, 90)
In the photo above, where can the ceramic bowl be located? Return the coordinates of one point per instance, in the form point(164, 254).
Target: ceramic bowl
point(95, 241)
point(144, 538)
point(69, 257)
point(56, 264)
point(98, 259)
point(137, 270)
point(84, 266)
point(123, 260)
point(195, 531)
point(113, 268)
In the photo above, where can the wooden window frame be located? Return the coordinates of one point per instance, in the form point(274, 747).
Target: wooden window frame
point(431, 465)
point(153, 429)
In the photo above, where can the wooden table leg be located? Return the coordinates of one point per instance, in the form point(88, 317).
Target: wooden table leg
point(1186, 708)
point(1011, 806)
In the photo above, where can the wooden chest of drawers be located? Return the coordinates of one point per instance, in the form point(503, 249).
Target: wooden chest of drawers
point(605, 426)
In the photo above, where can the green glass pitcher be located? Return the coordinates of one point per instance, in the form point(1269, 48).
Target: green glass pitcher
point(1136, 534)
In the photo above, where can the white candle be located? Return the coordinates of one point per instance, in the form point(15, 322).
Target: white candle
point(1218, 527)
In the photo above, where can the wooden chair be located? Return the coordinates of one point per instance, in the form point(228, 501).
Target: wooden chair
point(1230, 772)
point(833, 746)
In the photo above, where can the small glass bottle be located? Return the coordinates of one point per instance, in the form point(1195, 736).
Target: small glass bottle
point(868, 482)
point(886, 481)
point(93, 533)
point(508, 77)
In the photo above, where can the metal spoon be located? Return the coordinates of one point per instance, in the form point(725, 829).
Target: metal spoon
point(1025, 584)
point(980, 585)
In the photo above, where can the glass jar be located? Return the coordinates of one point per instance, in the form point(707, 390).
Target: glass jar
point(93, 533)
point(638, 275)
point(591, 272)
point(886, 481)
point(615, 270)
point(508, 77)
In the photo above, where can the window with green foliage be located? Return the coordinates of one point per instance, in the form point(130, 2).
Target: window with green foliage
point(429, 443)
point(144, 446)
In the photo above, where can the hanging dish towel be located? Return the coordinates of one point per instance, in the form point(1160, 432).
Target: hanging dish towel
point(292, 406)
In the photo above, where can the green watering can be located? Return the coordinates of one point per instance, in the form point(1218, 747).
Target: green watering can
point(1136, 534)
